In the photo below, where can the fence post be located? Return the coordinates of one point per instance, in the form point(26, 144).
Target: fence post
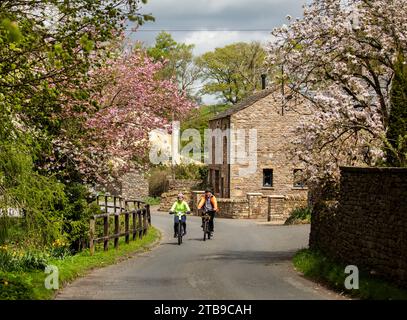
point(92, 235)
point(140, 223)
point(134, 229)
point(148, 214)
point(116, 224)
point(145, 226)
point(126, 220)
point(106, 228)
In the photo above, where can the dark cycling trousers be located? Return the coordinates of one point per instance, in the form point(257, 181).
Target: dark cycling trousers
point(212, 215)
point(184, 226)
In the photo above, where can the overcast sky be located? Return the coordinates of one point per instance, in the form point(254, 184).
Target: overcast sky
point(238, 17)
point(209, 24)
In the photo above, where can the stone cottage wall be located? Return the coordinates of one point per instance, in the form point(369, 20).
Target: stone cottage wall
point(367, 226)
point(274, 135)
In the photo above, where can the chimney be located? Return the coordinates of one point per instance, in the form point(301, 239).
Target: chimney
point(263, 81)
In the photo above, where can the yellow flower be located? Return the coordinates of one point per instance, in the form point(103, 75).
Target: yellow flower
point(5, 283)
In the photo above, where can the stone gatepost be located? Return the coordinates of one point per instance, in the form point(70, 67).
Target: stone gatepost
point(275, 208)
point(254, 202)
point(195, 196)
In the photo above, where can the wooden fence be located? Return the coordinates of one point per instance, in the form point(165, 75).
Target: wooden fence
point(136, 211)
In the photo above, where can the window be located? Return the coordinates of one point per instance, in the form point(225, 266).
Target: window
point(267, 178)
point(299, 181)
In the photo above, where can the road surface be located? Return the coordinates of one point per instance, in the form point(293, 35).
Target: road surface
point(245, 260)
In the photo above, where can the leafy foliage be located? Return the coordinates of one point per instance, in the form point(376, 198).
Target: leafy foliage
point(179, 62)
point(233, 72)
point(340, 59)
point(299, 216)
point(15, 287)
point(396, 149)
point(19, 260)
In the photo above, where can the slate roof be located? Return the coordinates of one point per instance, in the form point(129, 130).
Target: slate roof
point(244, 103)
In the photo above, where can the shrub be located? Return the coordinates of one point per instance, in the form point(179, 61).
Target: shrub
point(16, 260)
point(41, 198)
point(152, 201)
point(300, 215)
point(190, 171)
point(158, 181)
point(15, 287)
point(76, 217)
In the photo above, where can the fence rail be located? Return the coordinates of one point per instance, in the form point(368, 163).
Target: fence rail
point(135, 210)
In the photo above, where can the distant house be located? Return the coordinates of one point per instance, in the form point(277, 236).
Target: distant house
point(276, 172)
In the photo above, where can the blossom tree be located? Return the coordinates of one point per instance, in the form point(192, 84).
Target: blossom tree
point(130, 100)
point(340, 58)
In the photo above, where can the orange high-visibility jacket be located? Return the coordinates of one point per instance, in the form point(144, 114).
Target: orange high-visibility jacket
point(214, 203)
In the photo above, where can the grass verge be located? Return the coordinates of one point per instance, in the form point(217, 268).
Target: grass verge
point(30, 285)
point(318, 267)
point(152, 201)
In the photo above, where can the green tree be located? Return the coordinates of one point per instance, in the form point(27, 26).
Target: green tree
point(233, 72)
point(47, 50)
point(396, 135)
point(180, 62)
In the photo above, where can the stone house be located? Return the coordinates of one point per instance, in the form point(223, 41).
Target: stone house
point(276, 173)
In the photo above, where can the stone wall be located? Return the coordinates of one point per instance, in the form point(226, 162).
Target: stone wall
point(175, 187)
point(367, 226)
point(274, 136)
point(182, 184)
point(132, 185)
point(256, 206)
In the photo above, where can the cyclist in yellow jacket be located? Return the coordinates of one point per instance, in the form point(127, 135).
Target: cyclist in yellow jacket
point(180, 206)
point(208, 204)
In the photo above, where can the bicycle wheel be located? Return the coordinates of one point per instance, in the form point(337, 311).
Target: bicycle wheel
point(179, 233)
point(209, 234)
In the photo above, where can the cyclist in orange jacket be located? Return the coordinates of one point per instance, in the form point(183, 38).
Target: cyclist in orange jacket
point(208, 204)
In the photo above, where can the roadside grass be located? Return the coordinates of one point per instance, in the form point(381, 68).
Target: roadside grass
point(29, 285)
point(152, 201)
point(318, 267)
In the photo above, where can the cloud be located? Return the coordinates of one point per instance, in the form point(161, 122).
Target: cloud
point(209, 24)
point(209, 40)
point(185, 18)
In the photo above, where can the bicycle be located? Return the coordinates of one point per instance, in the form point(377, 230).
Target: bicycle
point(207, 233)
point(180, 230)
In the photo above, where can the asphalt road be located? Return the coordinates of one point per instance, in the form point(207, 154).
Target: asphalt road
point(245, 260)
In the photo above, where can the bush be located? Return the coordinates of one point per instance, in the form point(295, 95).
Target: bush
point(158, 181)
point(299, 216)
point(76, 217)
point(152, 201)
point(16, 260)
point(15, 287)
point(41, 198)
point(190, 171)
